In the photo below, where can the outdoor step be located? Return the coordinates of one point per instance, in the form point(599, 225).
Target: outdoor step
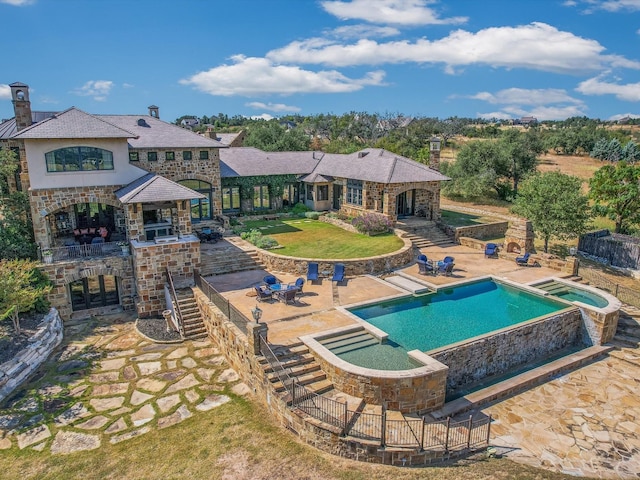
point(355, 346)
point(305, 380)
point(345, 336)
point(290, 362)
point(333, 345)
point(625, 341)
point(296, 372)
point(631, 356)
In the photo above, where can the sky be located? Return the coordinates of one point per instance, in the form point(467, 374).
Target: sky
point(551, 59)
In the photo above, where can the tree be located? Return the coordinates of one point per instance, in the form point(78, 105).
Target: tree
point(521, 151)
point(270, 136)
point(22, 288)
point(555, 205)
point(615, 190)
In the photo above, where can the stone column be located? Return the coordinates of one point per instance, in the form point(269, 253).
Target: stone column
point(254, 332)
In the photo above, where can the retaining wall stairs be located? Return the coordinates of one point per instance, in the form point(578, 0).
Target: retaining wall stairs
point(192, 318)
point(228, 259)
point(426, 235)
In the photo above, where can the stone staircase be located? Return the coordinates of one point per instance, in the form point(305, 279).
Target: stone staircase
point(627, 337)
point(191, 317)
point(227, 258)
point(428, 235)
point(301, 366)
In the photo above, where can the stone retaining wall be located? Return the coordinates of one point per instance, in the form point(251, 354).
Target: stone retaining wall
point(353, 266)
point(485, 230)
point(500, 351)
point(41, 344)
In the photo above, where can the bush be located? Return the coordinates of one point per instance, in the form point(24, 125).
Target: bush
point(299, 208)
point(372, 224)
point(255, 237)
point(312, 215)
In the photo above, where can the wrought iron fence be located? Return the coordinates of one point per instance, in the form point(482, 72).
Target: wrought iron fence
point(228, 310)
point(80, 252)
point(446, 435)
point(625, 294)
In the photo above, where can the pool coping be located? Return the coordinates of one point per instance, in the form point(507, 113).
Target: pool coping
point(614, 303)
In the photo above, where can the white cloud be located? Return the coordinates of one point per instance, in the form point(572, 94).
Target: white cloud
point(264, 116)
point(98, 89)
point(5, 91)
point(524, 96)
point(127, 85)
point(629, 92)
point(389, 12)
point(614, 6)
point(17, 3)
point(250, 76)
point(624, 115)
point(362, 31)
point(536, 46)
point(273, 107)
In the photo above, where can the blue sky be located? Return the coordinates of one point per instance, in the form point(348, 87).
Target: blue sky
point(468, 58)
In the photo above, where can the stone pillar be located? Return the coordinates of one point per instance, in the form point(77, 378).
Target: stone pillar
point(519, 237)
point(21, 105)
point(254, 332)
point(434, 153)
point(571, 266)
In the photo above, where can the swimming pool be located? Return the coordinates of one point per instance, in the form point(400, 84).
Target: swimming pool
point(449, 316)
point(572, 294)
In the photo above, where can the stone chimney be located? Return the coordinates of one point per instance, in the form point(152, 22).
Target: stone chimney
point(211, 133)
point(154, 112)
point(21, 105)
point(434, 153)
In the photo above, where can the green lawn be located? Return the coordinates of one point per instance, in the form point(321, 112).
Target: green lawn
point(458, 219)
point(308, 238)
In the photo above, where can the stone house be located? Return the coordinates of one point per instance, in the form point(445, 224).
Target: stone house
point(115, 198)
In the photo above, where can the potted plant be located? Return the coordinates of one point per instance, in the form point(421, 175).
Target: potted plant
point(47, 255)
point(124, 246)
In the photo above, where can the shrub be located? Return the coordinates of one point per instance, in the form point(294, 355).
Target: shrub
point(255, 237)
point(299, 208)
point(372, 224)
point(312, 215)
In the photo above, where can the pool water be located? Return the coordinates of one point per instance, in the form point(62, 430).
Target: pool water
point(572, 294)
point(451, 315)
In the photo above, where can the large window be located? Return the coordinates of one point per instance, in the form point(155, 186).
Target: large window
point(322, 192)
point(261, 196)
point(230, 199)
point(75, 159)
point(92, 292)
point(201, 208)
point(354, 192)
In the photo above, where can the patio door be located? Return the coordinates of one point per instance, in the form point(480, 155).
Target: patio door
point(337, 197)
point(405, 203)
point(93, 292)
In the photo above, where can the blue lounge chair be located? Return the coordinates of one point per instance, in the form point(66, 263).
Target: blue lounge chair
point(312, 272)
point(424, 267)
point(338, 273)
point(490, 250)
point(523, 261)
point(263, 293)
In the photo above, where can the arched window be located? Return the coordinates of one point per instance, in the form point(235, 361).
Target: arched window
point(201, 208)
point(76, 159)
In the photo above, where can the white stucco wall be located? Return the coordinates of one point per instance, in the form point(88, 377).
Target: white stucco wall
point(123, 172)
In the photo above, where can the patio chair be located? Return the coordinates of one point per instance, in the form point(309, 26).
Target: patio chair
point(299, 283)
point(312, 272)
point(338, 273)
point(288, 295)
point(445, 260)
point(490, 250)
point(523, 261)
point(422, 257)
point(269, 280)
point(263, 293)
point(446, 269)
point(425, 267)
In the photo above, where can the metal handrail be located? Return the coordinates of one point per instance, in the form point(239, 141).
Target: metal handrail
point(174, 297)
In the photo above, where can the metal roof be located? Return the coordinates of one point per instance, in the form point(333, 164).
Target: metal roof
point(154, 188)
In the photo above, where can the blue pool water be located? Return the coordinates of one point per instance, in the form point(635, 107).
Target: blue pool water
point(572, 294)
point(448, 316)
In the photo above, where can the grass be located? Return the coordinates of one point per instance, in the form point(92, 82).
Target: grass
point(314, 239)
point(459, 219)
point(235, 441)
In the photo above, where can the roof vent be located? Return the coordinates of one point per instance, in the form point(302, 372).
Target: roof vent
point(142, 123)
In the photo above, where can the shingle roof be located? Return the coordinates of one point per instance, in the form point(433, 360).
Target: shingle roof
point(8, 128)
point(373, 164)
point(74, 123)
point(152, 132)
point(249, 161)
point(153, 188)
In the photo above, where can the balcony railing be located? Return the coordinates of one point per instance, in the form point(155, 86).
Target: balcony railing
point(80, 252)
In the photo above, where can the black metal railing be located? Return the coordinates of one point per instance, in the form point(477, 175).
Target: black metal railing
point(232, 313)
point(625, 294)
point(81, 252)
point(411, 432)
point(177, 318)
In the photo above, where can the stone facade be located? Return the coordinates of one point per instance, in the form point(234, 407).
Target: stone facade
point(150, 262)
point(500, 351)
point(63, 273)
point(519, 238)
point(353, 266)
point(485, 230)
point(41, 344)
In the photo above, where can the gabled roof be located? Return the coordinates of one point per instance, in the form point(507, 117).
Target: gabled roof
point(151, 132)
point(153, 188)
point(316, 178)
point(74, 123)
point(8, 127)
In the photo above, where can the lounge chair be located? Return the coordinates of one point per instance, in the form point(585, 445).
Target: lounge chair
point(424, 267)
point(288, 295)
point(312, 272)
point(523, 261)
point(490, 250)
point(338, 273)
point(263, 293)
point(446, 269)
